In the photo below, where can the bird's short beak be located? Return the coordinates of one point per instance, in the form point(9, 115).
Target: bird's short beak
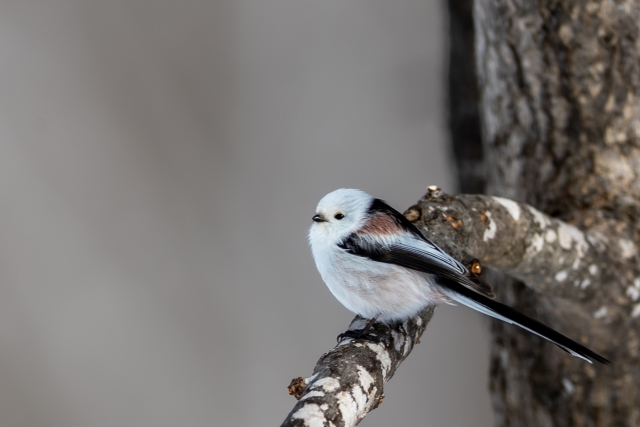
point(318, 218)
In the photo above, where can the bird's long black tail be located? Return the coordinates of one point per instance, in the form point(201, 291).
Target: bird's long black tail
point(474, 300)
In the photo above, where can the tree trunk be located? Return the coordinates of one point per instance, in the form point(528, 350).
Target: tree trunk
point(559, 86)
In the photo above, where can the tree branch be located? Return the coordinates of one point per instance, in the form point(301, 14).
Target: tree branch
point(348, 381)
point(551, 257)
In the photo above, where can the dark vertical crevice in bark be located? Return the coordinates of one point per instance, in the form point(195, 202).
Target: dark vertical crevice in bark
point(464, 123)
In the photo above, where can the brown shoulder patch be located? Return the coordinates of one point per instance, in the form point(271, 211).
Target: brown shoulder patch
point(381, 225)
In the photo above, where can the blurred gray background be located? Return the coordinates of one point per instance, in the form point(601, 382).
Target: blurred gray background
point(159, 166)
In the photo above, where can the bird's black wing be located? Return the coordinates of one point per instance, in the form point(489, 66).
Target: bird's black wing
point(420, 255)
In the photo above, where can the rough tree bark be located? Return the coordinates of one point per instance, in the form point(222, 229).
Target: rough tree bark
point(558, 84)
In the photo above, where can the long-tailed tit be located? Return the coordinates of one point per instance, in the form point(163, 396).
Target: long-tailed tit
point(380, 266)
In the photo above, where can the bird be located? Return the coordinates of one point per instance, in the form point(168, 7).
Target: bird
point(383, 268)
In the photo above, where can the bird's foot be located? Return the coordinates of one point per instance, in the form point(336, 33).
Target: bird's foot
point(361, 334)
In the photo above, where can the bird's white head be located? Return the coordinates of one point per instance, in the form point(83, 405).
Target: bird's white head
point(339, 214)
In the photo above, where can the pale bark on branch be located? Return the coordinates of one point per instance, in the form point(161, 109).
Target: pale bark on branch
point(570, 268)
point(349, 380)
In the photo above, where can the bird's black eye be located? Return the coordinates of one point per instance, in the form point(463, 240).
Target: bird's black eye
point(338, 216)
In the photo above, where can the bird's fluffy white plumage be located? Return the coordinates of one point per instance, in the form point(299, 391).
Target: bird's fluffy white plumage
point(364, 286)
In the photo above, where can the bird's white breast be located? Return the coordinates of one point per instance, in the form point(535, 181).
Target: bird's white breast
point(370, 288)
